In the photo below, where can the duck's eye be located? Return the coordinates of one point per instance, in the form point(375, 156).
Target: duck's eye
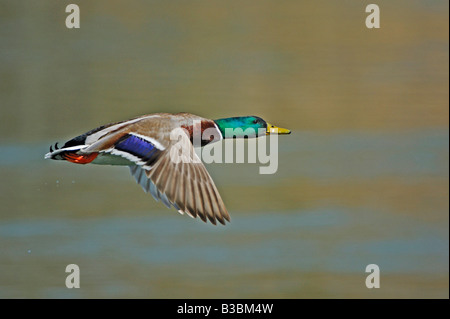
point(255, 121)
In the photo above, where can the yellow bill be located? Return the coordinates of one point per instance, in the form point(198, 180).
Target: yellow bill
point(272, 129)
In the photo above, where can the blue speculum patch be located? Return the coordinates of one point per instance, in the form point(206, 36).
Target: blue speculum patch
point(136, 146)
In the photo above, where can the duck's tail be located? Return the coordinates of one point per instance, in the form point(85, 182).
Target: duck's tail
point(70, 154)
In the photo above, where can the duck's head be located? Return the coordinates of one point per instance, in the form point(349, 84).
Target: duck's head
point(247, 126)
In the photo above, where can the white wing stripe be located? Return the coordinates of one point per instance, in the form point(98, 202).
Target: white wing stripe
point(130, 157)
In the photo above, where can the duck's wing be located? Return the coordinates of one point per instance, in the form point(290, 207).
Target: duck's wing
point(182, 181)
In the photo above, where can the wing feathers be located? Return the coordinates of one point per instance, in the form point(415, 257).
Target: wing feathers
point(186, 186)
point(153, 190)
point(189, 197)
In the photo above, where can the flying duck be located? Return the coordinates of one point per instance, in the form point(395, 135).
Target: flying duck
point(165, 166)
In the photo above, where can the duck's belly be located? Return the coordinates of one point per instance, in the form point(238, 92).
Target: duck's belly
point(110, 159)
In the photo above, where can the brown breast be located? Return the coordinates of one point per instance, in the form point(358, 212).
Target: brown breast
point(211, 135)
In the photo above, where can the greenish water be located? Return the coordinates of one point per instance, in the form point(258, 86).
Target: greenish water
point(127, 245)
point(362, 179)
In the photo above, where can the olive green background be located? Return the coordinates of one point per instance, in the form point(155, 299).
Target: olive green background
point(362, 179)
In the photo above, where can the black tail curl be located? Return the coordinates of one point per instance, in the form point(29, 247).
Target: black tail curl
point(56, 147)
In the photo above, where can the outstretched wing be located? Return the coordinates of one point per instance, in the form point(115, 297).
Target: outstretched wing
point(175, 175)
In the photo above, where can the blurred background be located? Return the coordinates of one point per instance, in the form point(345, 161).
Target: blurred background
point(363, 178)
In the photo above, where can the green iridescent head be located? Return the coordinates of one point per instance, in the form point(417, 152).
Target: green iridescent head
point(247, 126)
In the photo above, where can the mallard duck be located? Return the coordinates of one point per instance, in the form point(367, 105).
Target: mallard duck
point(145, 145)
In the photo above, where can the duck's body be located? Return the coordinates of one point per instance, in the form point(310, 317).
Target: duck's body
point(145, 145)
